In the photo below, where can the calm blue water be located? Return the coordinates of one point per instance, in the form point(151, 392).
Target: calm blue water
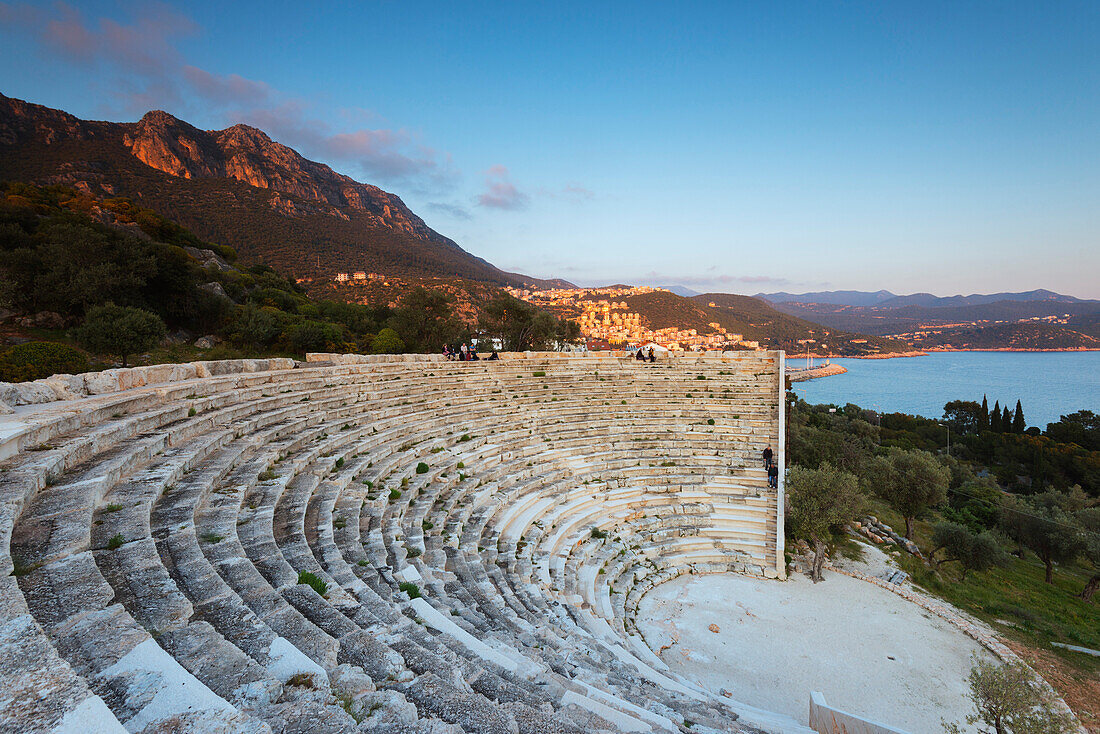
point(1049, 384)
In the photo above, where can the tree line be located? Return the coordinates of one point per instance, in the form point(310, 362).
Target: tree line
point(119, 279)
point(842, 456)
point(969, 417)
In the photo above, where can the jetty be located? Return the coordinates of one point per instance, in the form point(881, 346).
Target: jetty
point(801, 374)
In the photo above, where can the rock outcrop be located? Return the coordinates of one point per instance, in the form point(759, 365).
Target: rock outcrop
point(236, 187)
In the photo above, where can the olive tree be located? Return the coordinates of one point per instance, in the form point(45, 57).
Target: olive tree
point(119, 331)
point(1044, 525)
point(820, 500)
point(912, 481)
point(1009, 700)
point(959, 544)
point(1090, 525)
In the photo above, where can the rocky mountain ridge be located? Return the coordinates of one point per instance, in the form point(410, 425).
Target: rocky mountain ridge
point(238, 187)
point(247, 154)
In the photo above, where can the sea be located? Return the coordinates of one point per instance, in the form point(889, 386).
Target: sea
point(1048, 384)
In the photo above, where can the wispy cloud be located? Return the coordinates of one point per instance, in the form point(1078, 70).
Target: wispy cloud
point(500, 192)
point(150, 72)
point(455, 210)
point(228, 89)
point(381, 154)
point(573, 193)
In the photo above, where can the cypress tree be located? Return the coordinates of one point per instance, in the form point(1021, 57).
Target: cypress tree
point(983, 416)
point(995, 417)
point(1018, 423)
point(1006, 421)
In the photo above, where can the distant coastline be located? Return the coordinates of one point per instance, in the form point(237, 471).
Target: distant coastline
point(889, 355)
point(931, 350)
point(1012, 349)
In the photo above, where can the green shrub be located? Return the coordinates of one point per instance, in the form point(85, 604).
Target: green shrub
point(710, 421)
point(313, 581)
point(387, 341)
point(120, 331)
point(422, 468)
point(410, 588)
point(540, 373)
point(192, 412)
point(395, 494)
point(598, 534)
point(36, 360)
point(115, 541)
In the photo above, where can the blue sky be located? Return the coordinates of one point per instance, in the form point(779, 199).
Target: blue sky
point(945, 147)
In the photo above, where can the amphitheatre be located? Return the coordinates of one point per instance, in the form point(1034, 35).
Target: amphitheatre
point(391, 543)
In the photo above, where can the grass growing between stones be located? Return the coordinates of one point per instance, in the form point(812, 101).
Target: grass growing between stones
point(313, 581)
point(410, 588)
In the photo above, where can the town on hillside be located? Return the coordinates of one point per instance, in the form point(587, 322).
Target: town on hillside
point(609, 324)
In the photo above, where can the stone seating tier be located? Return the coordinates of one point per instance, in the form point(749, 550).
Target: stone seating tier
point(375, 543)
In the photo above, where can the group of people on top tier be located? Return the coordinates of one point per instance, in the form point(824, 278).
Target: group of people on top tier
point(466, 354)
point(642, 356)
point(772, 467)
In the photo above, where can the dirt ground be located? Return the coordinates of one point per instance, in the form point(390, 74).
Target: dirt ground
point(769, 644)
point(1081, 693)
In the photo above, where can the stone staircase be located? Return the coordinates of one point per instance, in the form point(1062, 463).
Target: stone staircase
point(482, 534)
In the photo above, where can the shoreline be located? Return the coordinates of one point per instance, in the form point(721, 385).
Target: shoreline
point(936, 350)
point(813, 373)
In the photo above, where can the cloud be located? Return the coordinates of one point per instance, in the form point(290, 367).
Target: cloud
point(386, 154)
point(229, 89)
point(455, 210)
point(500, 192)
point(147, 41)
point(576, 192)
point(151, 74)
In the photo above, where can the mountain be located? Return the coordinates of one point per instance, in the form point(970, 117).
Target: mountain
point(886, 299)
point(680, 290)
point(239, 188)
point(843, 298)
point(928, 300)
point(760, 321)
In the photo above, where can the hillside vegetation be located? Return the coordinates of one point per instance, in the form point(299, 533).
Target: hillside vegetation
point(1008, 523)
point(63, 254)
